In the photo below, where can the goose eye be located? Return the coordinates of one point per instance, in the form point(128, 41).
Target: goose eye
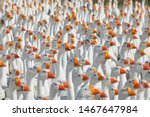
point(123, 90)
point(55, 84)
point(130, 81)
point(94, 74)
point(112, 89)
point(85, 89)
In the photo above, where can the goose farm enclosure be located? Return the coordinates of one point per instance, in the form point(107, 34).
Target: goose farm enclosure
point(74, 50)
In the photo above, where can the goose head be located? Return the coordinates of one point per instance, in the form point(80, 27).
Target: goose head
point(118, 71)
point(98, 94)
point(144, 44)
point(23, 88)
point(59, 85)
point(133, 84)
point(109, 81)
point(84, 93)
point(84, 62)
point(145, 84)
point(46, 74)
point(126, 92)
point(114, 91)
point(98, 76)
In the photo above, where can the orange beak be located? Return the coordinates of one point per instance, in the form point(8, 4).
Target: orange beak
point(57, 19)
point(45, 98)
point(122, 71)
point(82, 42)
point(48, 66)
point(113, 80)
point(10, 43)
point(37, 56)
point(18, 81)
point(67, 47)
point(54, 51)
point(38, 69)
point(19, 39)
point(16, 55)
point(118, 23)
point(23, 29)
point(104, 48)
point(30, 32)
point(98, 22)
point(93, 41)
point(100, 77)
point(61, 88)
point(133, 46)
point(1, 48)
point(93, 90)
point(26, 88)
point(131, 92)
point(132, 62)
point(19, 46)
point(67, 28)
point(136, 84)
point(146, 67)
point(112, 43)
point(148, 31)
point(35, 49)
point(76, 62)
point(107, 57)
point(116, 92)
point(108, 26)
point(66, 85)
point(128, 45)
point(9, 15)
point(85, 77)
point(59, 41)
point(8, 57)
point(126, 62)
point(50, 75)
point(48, 38)
point(47, 44)
point(2, 64)
point(146, 85)
point(103, 94)
point(142, 53)
point(54, 60)
point(72, 46)
point(134, 31)
point(147, 44)
point(17, 72)
point(87, 62)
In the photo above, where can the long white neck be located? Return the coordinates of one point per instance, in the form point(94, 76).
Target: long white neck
point(30, 82)
point(40, 88)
